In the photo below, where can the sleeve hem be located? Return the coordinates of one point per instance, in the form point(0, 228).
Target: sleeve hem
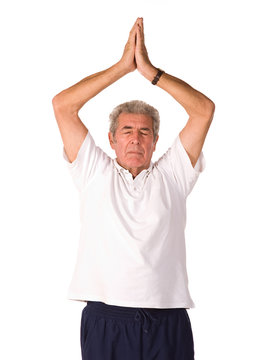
point(72, 164)
point(200, 164)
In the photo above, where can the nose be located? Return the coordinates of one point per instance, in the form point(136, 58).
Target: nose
point(135, 139)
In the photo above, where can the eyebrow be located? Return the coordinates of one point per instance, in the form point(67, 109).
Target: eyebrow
point(130, 127)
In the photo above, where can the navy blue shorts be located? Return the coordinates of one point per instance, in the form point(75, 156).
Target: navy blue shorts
point(110, 332)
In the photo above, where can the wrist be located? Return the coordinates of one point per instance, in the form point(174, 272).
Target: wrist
point(122, 69)
point(158, 76)
point(149, 72)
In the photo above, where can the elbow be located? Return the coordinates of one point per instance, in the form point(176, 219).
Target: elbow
point(61, 104)
point(57, 102)
point(212, 105)
point(209, 110)
point(204, 110)
point(54, 102)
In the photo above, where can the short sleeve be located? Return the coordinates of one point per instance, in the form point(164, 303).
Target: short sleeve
point(177, 163)
point(87, 163)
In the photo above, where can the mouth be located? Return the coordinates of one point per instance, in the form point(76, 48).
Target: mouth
point(135, 153)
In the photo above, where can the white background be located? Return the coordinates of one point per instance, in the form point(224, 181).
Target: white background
point(220, 48)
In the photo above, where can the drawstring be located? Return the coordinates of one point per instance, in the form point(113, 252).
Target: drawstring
point(147, 319)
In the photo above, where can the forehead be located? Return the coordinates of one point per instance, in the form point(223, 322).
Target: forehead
point(135, 120)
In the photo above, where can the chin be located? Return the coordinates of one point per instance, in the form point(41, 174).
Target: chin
point(134, 164)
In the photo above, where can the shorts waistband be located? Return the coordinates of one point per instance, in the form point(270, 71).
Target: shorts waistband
point(130, 313)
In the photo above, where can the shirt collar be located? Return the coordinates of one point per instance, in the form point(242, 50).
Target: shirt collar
point(123, 170)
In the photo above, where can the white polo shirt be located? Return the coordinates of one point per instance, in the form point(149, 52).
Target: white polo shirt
point(132, 246)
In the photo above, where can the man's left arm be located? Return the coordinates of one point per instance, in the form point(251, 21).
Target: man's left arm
point(198, 106)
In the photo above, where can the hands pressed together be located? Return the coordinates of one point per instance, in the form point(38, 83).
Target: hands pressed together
point(135, 55)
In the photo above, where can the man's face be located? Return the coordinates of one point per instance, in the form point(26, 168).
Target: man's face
point(133, 142)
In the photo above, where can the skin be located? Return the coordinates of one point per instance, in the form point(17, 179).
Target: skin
point(133, 142)
point(67, 104)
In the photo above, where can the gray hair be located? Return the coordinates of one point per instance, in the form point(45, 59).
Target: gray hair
point(135, 107)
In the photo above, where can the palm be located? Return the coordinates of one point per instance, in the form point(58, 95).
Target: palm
point(135, 54)
point(141, 55)
point(128, 58)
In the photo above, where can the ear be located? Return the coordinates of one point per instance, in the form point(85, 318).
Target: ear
point(111, 140)
point(155, 143)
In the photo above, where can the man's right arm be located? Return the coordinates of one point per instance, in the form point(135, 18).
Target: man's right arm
point(67, 103)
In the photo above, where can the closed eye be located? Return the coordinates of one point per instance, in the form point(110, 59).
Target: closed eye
point(129, 132)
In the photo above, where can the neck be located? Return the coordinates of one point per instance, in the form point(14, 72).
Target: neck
point(134, 171)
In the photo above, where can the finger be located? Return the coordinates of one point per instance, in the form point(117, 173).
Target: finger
point(142, 24)
point(136, 22)
point(140, 21)
point(133, 31)
point(140, 33)
point(138, 36)
point(139, 40)
point(132, 34)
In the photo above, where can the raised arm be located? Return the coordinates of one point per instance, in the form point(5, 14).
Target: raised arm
point(68, 102)
point(198, 106)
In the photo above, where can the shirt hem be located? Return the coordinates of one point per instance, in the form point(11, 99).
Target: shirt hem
point(119, 302)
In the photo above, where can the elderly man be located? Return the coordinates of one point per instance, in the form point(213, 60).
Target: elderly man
point(131, 261)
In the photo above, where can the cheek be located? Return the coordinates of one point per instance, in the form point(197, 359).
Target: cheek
point(120, 149)
point(150, 147)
